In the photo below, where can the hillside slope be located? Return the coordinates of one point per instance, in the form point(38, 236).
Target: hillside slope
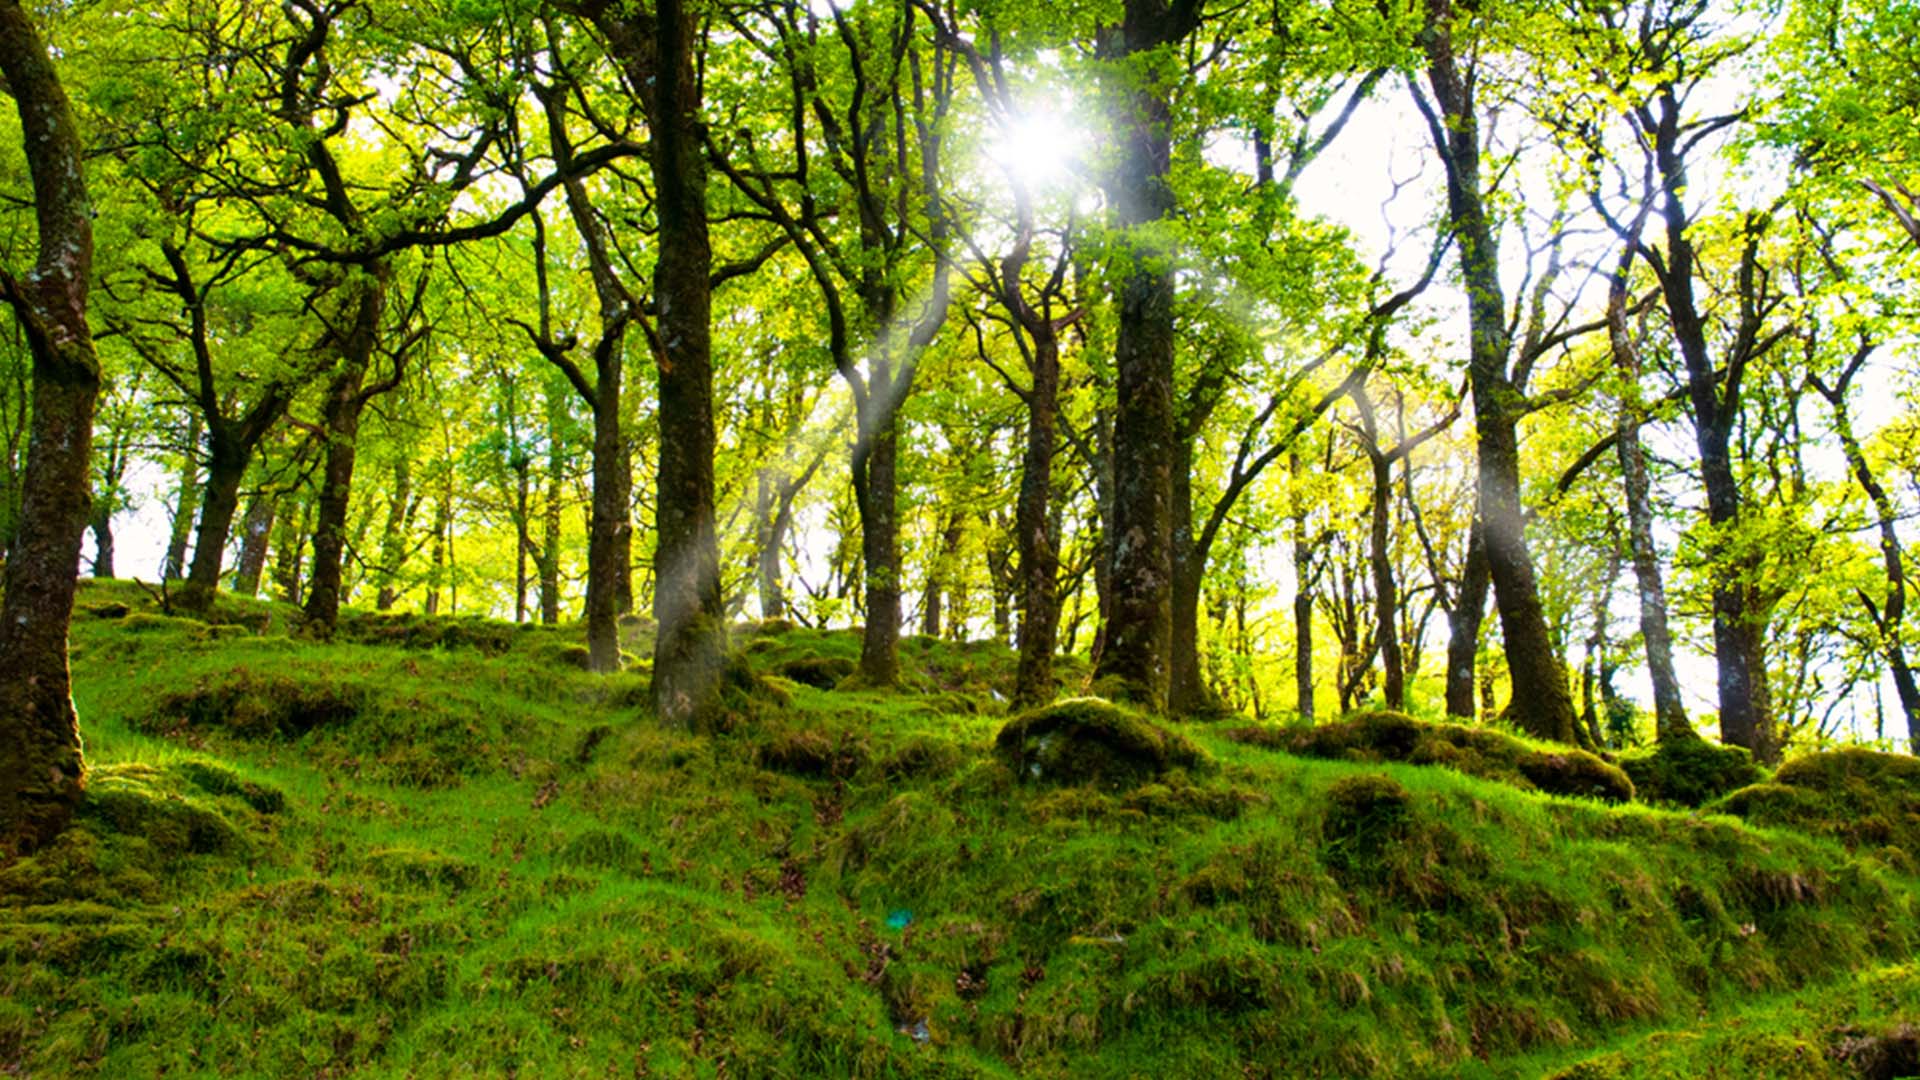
point(439, 848)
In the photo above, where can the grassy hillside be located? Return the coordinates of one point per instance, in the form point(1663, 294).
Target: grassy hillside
point(440, 848)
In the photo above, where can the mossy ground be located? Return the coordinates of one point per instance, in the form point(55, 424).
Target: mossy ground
point(478, 860)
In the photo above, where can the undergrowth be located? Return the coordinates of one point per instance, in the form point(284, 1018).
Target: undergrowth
point(413, 854)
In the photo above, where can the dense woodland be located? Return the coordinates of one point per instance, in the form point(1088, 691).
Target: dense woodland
point(993, 321)
point(905, 538)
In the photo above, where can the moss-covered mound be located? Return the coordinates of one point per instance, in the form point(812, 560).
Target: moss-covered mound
point(819, 672)
point(1385, 735)
point(1690, 772)
point(1866, 800)
point(1092, 741)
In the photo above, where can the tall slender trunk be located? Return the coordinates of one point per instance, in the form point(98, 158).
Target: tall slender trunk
point(442, 531)
point(289, 548)
point(394, 537)
point(1186, 691)
point(1386, 592)
point(256, 525)
point(876, 492)
point(1303, 575)
point(690, 648)
point(612, 492)
point(345, 401)
point(550, 523)
point(1135, 654)
point(1670, 713)
point(1463, 626)
point(186, 504)
point(769, 537)
point(1739, 633)
point(1541, 703)
point(522, 535)
point(41, 768)
point(1035, 541)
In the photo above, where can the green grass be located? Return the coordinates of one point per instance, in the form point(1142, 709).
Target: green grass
point(442, 849)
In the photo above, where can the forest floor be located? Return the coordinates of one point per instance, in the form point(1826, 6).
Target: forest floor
point(437, 847)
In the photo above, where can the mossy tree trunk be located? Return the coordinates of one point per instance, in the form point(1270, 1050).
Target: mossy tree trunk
point(1135, 656)
point(41, 768)
point(186, 503)
point(690, 647)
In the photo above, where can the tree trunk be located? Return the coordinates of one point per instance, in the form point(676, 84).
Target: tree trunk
point(875, 489)
point(394, 537)
point(437, 576)
point(1034, 539)
point(1386, 594)
point(1738, 638)
point(690, 649)
point(1302, 602)
point(608, 523)
point(289, 547)
point(1463, 626)
point(769, 538)
point(1541, 703)
point(186, 504)
point(226, 468)
point(1670, 713)
point(1135, 654)
point(550, 534)
point(256, 525)
point(102, 525)
point(41, 769)
point(345, 401)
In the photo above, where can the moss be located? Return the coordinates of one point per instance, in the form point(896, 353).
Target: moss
point(814, 755)
point(921, 758)
point(603, 849)
point(1863, 799)
point(109, 610)
point(137, 801)
point(418, 868)
point(1179, 799)
point(1575, 772)
point(1690, 772)
point(1091, 741)
point(259, 704)
point(1384, 735)
point(819, 672)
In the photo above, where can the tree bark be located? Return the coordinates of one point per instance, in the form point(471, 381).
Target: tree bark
point(1463, 626)
point(690, 648)
point(1541, 705)
point(1739, 634)
point(1303, 575)
point(1035, 543)
point(394, 536)
point(1670, 713)
point(102, 525)
point(256, 526)
point(185, 505)
point(1135, 656)
point(42, 772)
point(876, 492)
point(345, 401)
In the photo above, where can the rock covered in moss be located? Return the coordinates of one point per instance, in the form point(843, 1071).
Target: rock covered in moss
point(1093, 741)
point(1691, 772)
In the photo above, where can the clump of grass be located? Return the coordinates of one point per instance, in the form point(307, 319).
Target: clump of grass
point(1384, 735)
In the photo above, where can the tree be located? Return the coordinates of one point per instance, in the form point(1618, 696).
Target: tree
point(41, 768)
point(1542, 703)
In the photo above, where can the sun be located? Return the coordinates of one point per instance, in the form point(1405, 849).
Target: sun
point(1040, 147)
